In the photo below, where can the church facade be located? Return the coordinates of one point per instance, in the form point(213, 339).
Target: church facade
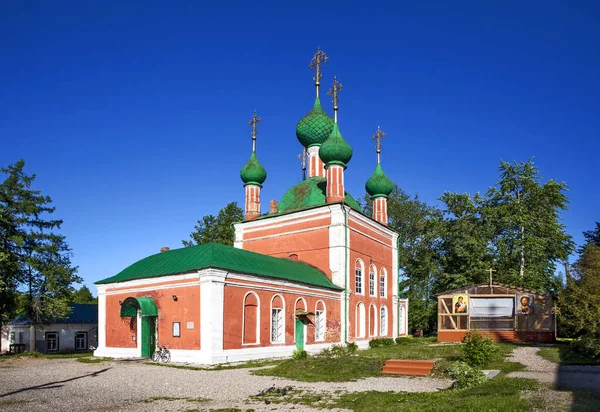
point(312, 272)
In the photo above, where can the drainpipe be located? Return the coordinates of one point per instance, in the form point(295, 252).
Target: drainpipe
point(345, 273)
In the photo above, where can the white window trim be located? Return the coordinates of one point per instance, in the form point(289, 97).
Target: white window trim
point(360, 321)
point(257, 319)
point(376, 313)
point(359, 265)
point(383, 316)
point(324, 317)
point(282, 341)
point(85, 344)
point(373, 281)
point(46, 341)
point(383, 275)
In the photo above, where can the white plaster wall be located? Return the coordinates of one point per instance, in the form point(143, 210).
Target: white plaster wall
point(66, 336)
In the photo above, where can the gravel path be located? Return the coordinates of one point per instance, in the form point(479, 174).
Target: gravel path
point(569, 376)
point(67, 385)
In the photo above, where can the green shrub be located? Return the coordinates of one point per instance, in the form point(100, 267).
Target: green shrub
point(587, 346)
point(404, 340)
point(299, 354)
point(375, 343)
point(326, 353)
point(351, 348)
point(464, 375)
point(338, 351)
point(477, 350)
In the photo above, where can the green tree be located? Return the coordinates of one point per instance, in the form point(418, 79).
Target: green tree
point(579, 303)
point(218, 229)
point(528, 237)
point(36, 258)
point(83, 295)
point(591, 237)
point(466, 255)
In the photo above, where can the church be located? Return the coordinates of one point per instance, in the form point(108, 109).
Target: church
point(312, 272)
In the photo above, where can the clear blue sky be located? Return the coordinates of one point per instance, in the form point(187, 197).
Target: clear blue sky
point(134, 115)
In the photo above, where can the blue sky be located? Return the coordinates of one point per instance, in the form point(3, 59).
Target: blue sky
point(134, 115)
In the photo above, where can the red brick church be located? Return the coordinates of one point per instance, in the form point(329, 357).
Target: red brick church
point(313, 272)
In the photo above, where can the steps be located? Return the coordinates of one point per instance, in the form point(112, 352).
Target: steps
point(408, 367)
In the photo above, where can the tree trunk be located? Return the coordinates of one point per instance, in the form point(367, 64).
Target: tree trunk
point(522, 270)
point(32, 347)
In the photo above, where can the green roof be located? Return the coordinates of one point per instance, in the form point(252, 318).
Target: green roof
point(214, 255)
point(309, 193)
point(379, 184)
point(335, 150)
point(253, 173)
point(315, 127)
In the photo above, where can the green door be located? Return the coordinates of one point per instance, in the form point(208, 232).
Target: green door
point(299, 334)
point(148, 335)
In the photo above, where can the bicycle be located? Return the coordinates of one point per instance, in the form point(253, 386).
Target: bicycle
point(162, 353)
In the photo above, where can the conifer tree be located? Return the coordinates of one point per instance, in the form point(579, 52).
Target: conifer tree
point(35, 259)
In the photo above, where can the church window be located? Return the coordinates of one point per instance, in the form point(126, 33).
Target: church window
point(360, 320)
point(382, 282)
point(277, 320)
point(320, 322)
point(372, 272)
point(383, 321)
point(250, 321)
point(358, 277)
point(372, 320)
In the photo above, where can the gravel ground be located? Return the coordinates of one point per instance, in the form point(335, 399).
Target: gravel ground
point(67, 385)
point(569, 376)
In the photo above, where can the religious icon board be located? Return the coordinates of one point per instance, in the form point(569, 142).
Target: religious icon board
point(525, 304)
point(459, 304)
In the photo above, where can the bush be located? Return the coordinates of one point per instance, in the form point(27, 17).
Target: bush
point(477, 350)
point(299, 354)
point(375, 343)
point(351, 348)
point(587, 346)
point(404, 340)
point(464, 375)
point(326, 353)
point(338, 351)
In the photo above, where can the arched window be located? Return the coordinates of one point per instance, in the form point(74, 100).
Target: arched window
point(250, 321)
point(320, 321)
point(360, 320)
point(401, 317)
point(383, 321)
point(382, 282)
point(358, 277)
point(372, 320)
point(372, 272)
point(277, 319)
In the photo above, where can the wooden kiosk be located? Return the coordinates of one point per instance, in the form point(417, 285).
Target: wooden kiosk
point(506, 313)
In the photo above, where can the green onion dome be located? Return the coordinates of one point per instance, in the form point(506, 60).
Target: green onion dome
point(253, 173)
point(379, 184)
point(335, 150)
point(315, 127)
point(311, 192)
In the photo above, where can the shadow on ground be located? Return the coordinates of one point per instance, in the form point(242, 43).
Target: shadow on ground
point(56, 384)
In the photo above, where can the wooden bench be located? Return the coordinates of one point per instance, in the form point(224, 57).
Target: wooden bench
point(408, 367)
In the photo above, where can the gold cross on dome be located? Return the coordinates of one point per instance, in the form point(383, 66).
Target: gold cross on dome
point(378, 136)
point(318, 59)
point(253, 122)
point(334, 92)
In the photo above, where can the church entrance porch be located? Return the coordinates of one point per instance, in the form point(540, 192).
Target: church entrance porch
point(145, 312)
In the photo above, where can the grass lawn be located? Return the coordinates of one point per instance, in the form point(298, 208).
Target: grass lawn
point(500, 394)
point(366, 363)
point(561, 354)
